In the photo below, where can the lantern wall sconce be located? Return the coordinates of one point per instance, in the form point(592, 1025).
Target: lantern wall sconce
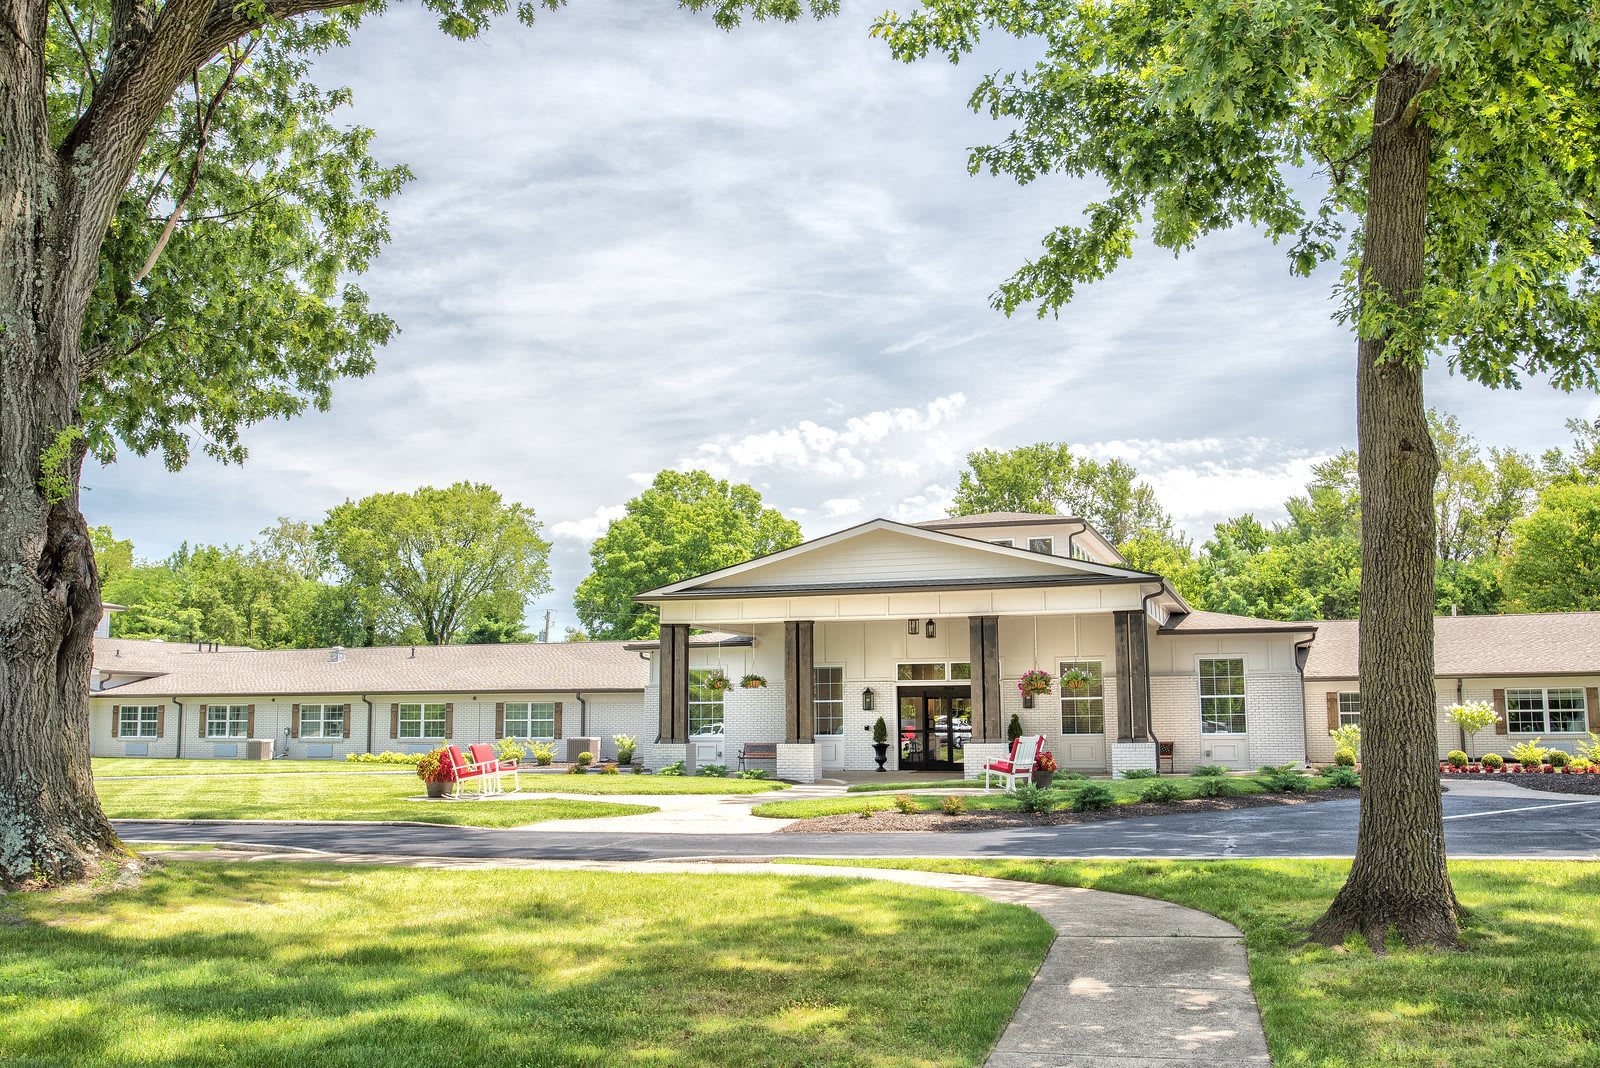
point(913, 626)
point(928, 628)
point(867, 699)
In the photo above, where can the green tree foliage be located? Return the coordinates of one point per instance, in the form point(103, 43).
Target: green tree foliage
point(686, 524)
point(495, 626)
point(1047, 478)
point(1554, 564)
point(440, 557)
point(1582, 465)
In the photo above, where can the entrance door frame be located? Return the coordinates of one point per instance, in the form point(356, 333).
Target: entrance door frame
point(922, 692)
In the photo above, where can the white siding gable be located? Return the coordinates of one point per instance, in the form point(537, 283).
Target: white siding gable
point(893, 556)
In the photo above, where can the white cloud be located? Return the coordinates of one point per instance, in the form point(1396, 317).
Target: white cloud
point(590, 527)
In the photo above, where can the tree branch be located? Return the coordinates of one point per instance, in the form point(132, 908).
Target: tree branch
point(83, 49)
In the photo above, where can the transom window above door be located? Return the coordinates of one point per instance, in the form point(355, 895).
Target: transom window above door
point(1546, 711)
point(1222, 695)
point(937, 671)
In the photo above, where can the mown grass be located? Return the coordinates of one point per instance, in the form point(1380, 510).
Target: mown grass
point(163, 767)
point(1521, 990)
point(1125, 792)
point(330, 797)
point(941, 784)
point(294, 964)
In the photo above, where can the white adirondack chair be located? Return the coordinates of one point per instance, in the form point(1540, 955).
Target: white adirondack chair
point(1024, 754)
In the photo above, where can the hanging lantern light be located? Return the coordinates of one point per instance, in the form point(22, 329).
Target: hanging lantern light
point(928, 628)
point(867, 699)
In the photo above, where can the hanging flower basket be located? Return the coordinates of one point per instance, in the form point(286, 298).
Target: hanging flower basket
point(1034, 683)
point(1076, 680)
point(753, 682)
point(718, 683)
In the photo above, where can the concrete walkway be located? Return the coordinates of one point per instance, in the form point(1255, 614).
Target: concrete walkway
point(1128, 983)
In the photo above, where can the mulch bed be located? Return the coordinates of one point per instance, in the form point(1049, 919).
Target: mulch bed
point(1554, 784)
point(890, 820)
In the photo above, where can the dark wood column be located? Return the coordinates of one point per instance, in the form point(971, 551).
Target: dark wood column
point(1132, 636)
point(799, 681)
point(984, 652)
point(674, 658)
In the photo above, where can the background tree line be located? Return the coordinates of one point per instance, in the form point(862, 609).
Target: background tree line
point(1514, 533)
point(433, 566)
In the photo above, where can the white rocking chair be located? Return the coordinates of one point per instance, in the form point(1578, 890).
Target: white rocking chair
point(1024, 754)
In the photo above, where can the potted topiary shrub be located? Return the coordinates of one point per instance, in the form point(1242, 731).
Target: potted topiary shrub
point(1035, 683)
point(880, 743)
point(431, 770)
point(1013, 729)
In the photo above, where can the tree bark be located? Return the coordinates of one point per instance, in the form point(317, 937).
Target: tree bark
point(1399, 881)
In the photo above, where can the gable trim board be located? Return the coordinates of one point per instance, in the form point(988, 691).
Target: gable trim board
point(1032, 562)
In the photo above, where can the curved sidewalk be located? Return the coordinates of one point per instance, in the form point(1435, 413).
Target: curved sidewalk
point(1129, 982)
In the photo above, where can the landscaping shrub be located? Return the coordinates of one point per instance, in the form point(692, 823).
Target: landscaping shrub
point(952, 804)
point(1071, 776)
point(1581, 764)
point(1557, 758)
point(1347, 737)
point(1283, 778)
point(1345, 758)
point(1207, 771)
point(542, 752)
point(508, 749)
point(609, 768)
point(1033, 800)
point(1493, 760)
point(1342, 776)
point(712, 771)
point(1161, 790)
point(1456, 758)
point(1139, 773)
point(1590, 749)
point(1014, 729)
point(585, 758)
point(1214, 786)
point(753, 773)
point(385, 757)
point(867, 810)
point(576, 769)
point(905, 803)
point(1529, 754)
point(1091, 797)
point(627, 745)
point(674, 768)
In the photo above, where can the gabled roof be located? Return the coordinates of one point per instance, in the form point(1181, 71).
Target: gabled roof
point(556, 667)
point(1552, 643)
point(997, 519)
point(1000, 566)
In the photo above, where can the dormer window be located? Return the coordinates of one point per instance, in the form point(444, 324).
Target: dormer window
point(1008, 543)
point(1042, 545)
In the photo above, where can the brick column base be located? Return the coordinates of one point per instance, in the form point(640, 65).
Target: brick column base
point(799, 761)
point(658, 755)
point(1126, 756)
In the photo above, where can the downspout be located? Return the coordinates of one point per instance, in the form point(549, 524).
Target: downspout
point(583, 715)
point(1083, 525)
point(1300, 669)
point(1461, 698)
point(180, 726)
point(1149, 715)
point(368, 701)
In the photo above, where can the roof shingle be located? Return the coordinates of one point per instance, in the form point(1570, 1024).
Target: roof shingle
point(1556, 643)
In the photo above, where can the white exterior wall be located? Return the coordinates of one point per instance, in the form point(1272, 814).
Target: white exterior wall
point(1472, 689)
point(1274, 720)
point(472, 720)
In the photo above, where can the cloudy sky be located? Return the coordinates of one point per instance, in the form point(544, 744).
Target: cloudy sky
point(637, 242)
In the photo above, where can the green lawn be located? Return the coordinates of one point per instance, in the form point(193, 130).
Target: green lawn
point(1126, 791)
point(294, 964)
point(329, 797)
point(942, 784)
point(156, 766)
point(1522, 992)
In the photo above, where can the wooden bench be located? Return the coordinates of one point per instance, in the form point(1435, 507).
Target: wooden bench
point(758, 751)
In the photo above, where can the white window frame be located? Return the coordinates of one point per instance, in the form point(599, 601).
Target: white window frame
point(420, 712)
point(144, 716)
point(827, 709)
point(324, 713)
point(528, 715)
point(232, 717)
point(700, 708)
point(1087, 699)
point(1546, 725)
point(950, 677)
point(1346, 717)
point(1049, 546)
point(1243, 695)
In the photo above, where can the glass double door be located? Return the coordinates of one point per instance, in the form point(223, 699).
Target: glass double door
point(935, 725)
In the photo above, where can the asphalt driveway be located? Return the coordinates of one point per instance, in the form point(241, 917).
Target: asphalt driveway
point(1560, 827)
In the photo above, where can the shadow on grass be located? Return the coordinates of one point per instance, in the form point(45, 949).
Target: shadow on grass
point(301, 964)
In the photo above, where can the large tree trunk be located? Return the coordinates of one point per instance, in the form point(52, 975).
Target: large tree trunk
point(51, 825)
point(1399, 881)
